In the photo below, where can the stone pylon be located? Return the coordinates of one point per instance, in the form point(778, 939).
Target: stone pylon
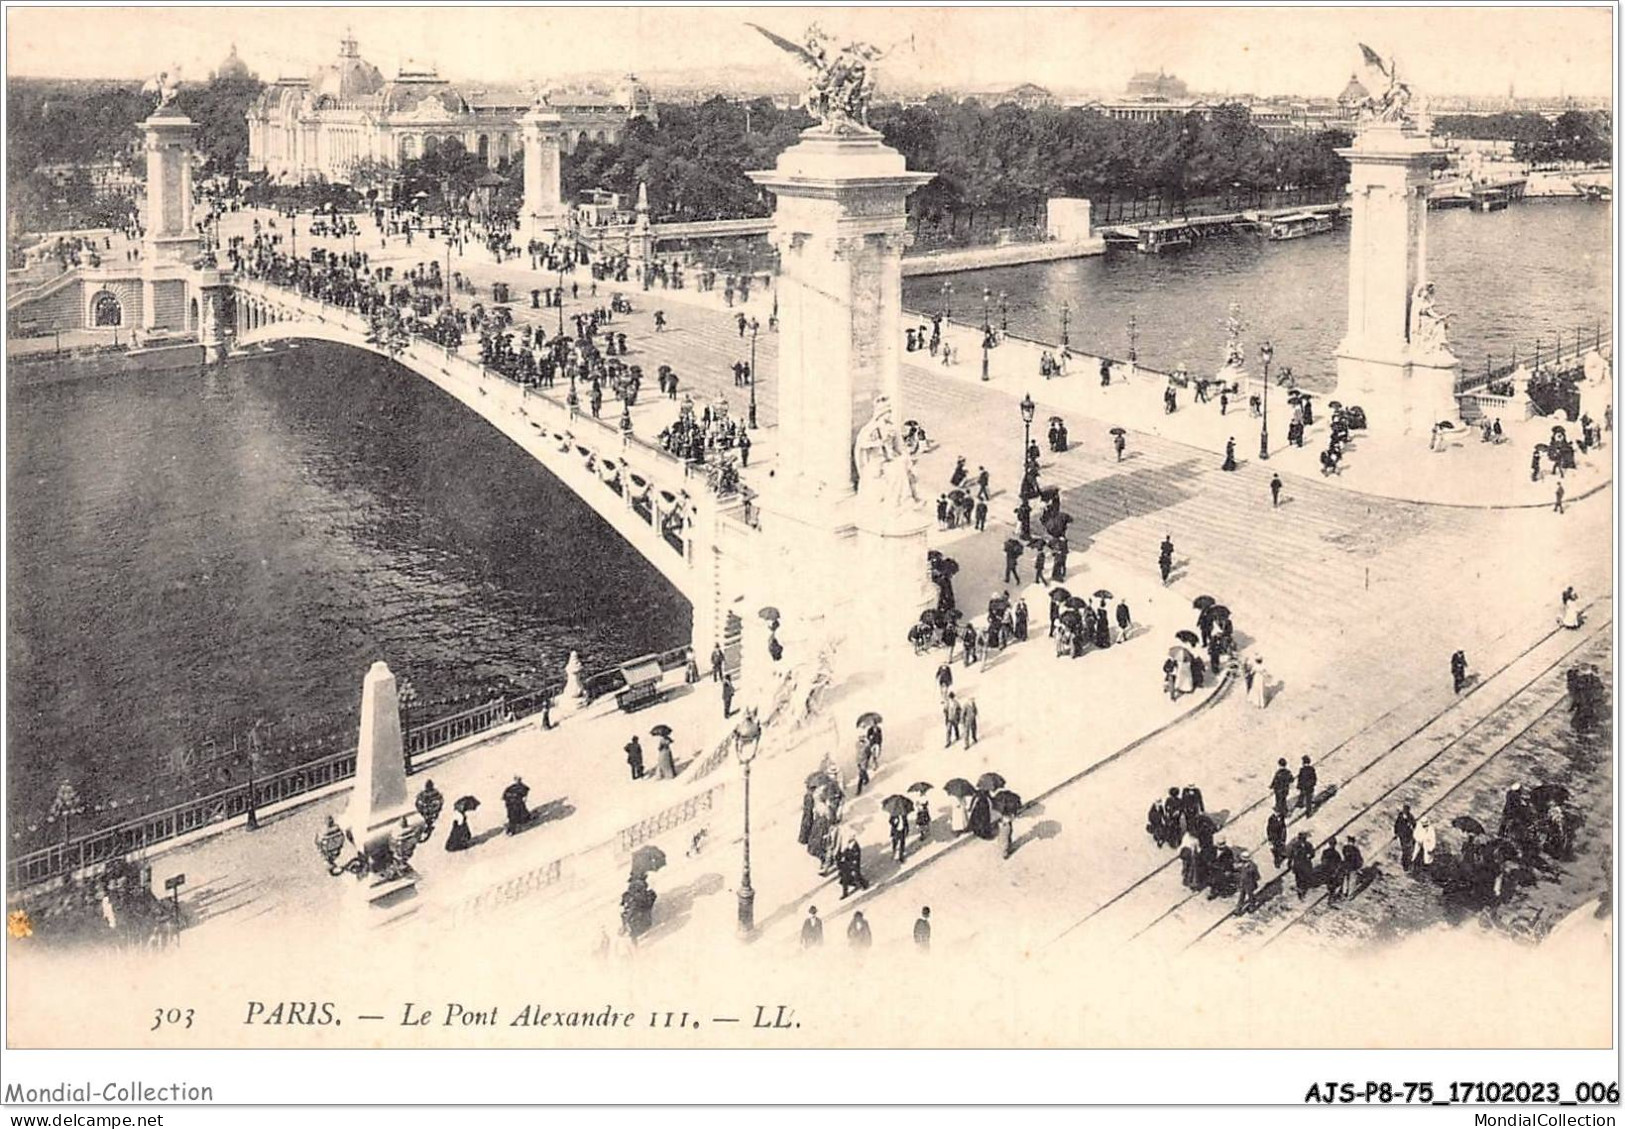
point(170, 243)
point(1404, 385)
point(544, 211)
point(835, 569)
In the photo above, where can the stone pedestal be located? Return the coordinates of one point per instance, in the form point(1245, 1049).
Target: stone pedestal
point(543, 203)
point(839, 226)
point(1401, 389)
point(170, 244)
point(379, 799)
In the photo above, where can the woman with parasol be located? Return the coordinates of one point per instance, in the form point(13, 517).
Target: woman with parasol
point(1258, 683)
point(981, 805)
point(461, 838)
point(665, 764)
point(960, 790)
point(922, 809)
point(1103, 621)
point(1570, 617)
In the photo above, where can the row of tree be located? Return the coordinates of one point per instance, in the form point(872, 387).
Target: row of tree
point(1574, 135)
point(1001, 159)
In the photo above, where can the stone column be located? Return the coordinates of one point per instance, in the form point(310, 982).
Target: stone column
point(1404, 386)
point(543, 207)
point(379, 798)
point(170, 243)
point(839, 225)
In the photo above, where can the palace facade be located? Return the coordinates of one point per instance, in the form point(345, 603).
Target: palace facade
point(320, 127)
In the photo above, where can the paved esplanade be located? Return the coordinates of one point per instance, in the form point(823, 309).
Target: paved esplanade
point(1359, 599)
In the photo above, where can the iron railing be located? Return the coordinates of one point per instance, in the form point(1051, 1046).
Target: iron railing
point(96, 848)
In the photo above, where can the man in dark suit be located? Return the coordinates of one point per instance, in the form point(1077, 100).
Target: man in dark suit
point(1281, 784)
point(1307, 779)
point(634, 757)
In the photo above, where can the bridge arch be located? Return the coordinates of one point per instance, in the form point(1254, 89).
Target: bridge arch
point(673, 522)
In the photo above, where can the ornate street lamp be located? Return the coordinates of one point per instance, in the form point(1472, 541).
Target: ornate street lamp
point(1267, 352)
point(1027, 410)
point(1066, 317)
point(753, 328)
point(947, 300)
point(561, 296)
point(1133, 342)
point(747, 738)
point(987, 313)
point(1004, 314)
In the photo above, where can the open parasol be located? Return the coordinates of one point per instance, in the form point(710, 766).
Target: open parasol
point(959, 787)
point(1007, 804)
point(989, 782)
point(661, 731)
point(1203, 603)
point(1013, 546)
point(1102, 594)
point(867, 719)
point(817, 779)
point(769, 613)
point(1119, 431)
point(1468, 824)
point(466, 804)
point(920, 787)
point(1077, 602)
point(1189, 638)
point(647, 859)
point(1219, 612)
point(1059, 595)
point(897, 805)
point(1446, 425)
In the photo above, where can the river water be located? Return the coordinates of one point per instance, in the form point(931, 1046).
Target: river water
point(193, 551)
point(1507, 278)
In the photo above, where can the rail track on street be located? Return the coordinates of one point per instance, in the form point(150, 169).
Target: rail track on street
point(1463, 753)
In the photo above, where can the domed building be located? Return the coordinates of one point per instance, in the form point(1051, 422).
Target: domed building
point(1354, 94)
point(233, 67)
point(321, 126)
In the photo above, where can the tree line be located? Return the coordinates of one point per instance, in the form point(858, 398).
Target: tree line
point(1003, 160)
point(1575, 135)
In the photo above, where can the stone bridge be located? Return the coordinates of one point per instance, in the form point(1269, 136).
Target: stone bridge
point(663, 508)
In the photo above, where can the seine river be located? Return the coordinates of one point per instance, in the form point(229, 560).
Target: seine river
point(190, 552)
point(1533, 269)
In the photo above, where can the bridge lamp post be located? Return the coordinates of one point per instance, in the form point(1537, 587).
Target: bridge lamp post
point(753, 329)
point(1267, 352)
point(947, 301)
point(1066, 319)
point(987, 316)
point(747, 737)
point(1028, 409)
point(1004, 314)
point(561, 297)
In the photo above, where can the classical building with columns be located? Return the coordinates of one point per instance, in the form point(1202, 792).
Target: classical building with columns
point(319, 127)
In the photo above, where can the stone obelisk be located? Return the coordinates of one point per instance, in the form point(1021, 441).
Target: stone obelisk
point(379, 798)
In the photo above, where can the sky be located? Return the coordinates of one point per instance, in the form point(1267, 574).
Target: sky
point(1538, 51)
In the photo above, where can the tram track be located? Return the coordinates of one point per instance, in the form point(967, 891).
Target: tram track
point(1410, 734)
